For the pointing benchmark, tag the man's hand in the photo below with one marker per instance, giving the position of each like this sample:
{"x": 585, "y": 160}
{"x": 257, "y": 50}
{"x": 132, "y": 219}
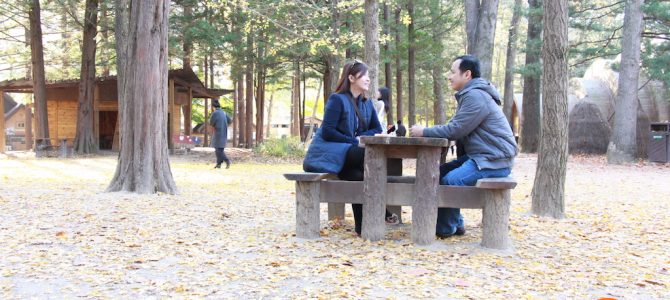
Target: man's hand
{"x": 416, "y": 131}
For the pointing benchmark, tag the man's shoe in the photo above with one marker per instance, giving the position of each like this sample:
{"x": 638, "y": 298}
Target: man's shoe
{"x": 218, "y": 166}
{"x": 228, "y": 165}
{"x": 459, "y": 231}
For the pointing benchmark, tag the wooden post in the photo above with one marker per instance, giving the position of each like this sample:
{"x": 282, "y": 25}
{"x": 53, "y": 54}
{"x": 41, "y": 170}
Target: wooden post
{"x": 2, "y": 122}
{"x": 187, "y": 113}
{"x": 171, "y": 113}
{"x": 335, "y": 211}
{"x": 374, "y": 190}
{"x": 424, "y": 210}
{"x": 96, "y": 113}
{"x": 307, "y": 209}
{"x": 495, "y": 220}
{"x": 204, "y": 126}
{"x": 395, "y": 169}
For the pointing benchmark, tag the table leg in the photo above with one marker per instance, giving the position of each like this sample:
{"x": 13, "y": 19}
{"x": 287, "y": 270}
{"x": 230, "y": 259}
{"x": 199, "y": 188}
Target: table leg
{"x": 373, "y": 226}
{"x": 424, "y": 210}
{"x": 394, "y": 166}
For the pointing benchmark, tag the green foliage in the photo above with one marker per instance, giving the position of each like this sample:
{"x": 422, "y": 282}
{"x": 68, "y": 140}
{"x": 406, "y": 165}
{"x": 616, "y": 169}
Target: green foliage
{"x": 283, "y": 148}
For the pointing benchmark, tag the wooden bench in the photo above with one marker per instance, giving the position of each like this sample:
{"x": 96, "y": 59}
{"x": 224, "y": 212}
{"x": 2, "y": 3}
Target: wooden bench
{"x": 492, "y": 195}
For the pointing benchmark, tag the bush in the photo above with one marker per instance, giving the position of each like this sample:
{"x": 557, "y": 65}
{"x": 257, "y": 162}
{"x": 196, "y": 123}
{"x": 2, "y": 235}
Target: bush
{"x": 283, "y": 147}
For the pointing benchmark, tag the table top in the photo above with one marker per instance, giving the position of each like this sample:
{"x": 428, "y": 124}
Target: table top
{"x": 404, "y": 141}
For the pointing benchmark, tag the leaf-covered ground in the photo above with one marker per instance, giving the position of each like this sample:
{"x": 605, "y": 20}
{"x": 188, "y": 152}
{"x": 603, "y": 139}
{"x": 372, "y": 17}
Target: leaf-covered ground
{"x": 229, "y": 234}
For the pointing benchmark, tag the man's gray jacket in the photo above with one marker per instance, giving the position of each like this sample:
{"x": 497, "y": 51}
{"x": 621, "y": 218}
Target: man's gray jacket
{"x": 481, "y": 126}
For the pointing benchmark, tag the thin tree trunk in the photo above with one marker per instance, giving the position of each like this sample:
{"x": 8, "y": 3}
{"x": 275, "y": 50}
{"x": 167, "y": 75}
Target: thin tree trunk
{"x": 530, "y": 128}
{"x": 549, "y": 187}
{"x": 242, "y": 113}
{"x": 398, "y": 66}
{"x": 388, "y": 76}
{"x": 65, "y": 36}
{"x": 29, "y": 67}
{"x": 372, "y": 45}
{"x": 438, "y": 70}
{"x": 485, "y": 37}
{"x": 471, "y": 21}
{"x": 622, "y": 146}
{"x": 187, "y": 43}
{"x": 267, "y": 126}
{"x": 260, "y": 124}
{"x": 39, "y": 81}
{"x": 104, "y": 14}
{"x": 302, "y": 103}
{"x": 295, "y": 101}
{"x": 331, "y": 75}
{"x": 509, "y": 63}
{"x": 235, "y": 113}
{"x": 411, "y": 65}
{"x": 85, "y": 140}
{"x": 144, "y": 165}
{"x": 249, "y": 136}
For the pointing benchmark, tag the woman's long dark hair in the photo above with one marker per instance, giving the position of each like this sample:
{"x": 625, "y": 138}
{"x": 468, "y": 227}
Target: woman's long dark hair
{"x": 385, "y": 97}
{"x": 356, "y": 68}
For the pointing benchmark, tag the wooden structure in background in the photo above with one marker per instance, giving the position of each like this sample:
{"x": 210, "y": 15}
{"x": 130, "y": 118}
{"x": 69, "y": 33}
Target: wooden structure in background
{"x": 184, "y": 85}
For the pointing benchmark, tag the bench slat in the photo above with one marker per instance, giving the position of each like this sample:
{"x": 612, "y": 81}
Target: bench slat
{"x": 496, "y": 183}
{"x": 306, "y": 176}
{"x": 401, "y": 194}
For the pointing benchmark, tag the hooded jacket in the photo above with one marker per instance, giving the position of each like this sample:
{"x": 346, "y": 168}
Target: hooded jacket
{"x": 481, "y": 126}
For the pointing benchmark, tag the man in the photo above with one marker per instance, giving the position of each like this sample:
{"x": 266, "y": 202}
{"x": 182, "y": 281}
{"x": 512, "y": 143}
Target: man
{"x": 481, "y": 127}
{"x": 220, "y": 121}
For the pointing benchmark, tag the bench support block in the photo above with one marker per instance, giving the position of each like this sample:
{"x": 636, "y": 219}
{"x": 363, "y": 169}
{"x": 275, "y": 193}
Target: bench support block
{"x": 335, "y": 211}
{"x": 374, "y": 189}
{"x": 495, "y": 220}
{"x": 307, "y": 209}
{"x": 424, "y": 210}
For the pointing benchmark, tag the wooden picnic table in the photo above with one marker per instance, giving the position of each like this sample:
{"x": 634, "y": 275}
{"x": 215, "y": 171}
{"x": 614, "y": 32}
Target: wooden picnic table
{"x": 378, "y": 149}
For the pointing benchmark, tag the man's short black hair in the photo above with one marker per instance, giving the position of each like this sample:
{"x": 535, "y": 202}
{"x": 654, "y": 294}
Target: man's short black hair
{"x": 469, "y": 63}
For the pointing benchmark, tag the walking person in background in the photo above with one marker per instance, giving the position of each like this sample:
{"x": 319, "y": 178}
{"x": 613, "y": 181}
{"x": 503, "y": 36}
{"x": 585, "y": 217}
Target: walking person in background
{"x": 220, "y": 121}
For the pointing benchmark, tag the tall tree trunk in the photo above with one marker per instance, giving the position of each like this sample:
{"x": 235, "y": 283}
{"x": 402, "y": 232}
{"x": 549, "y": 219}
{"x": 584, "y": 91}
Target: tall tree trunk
{"x": 332, "y": 73}
{"x": 302, "y": 103}
{"x": 622, "y": 146}
{"x": 295, "y": 101}
{"x": 549, "y": 187}
{"x": 485, "y": 37}
{"x": 144, "y": 165}
{"x": 398, "y": 66}
{"x": 471, "y": 21}
{"x": 39, "y": 81}
{"x": 104, "y": 15}
{"x": 260, "y": 114}
{"x": 388, "y": 76}
{"x": 530, "y": 128}
{"x": 242, "y": 113}
{"x": 509, "y": 63}
{"x": 249, "y": 136}
{"x": 28, "y": 38}
{"x": 187, "y": 42}
{"x": 372, "y": 45}
{"x": 267, "y": 125}
{"x": 438, "y": 69}
{"x": 411, "y": 65}
{"x": 85, "y": 140}
{"x": 65, "y": 36}
{"x": 236, "y": 104}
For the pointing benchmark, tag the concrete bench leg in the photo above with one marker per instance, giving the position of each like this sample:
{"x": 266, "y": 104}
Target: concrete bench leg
{"x": 335, "y": 211}
{"x": 495, "y": 220}
{"x": 307, "y": 209}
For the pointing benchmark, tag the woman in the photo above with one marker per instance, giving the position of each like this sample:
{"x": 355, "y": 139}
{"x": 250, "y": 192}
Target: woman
{"x": 382, "y": 104}
{"x": 348, "y": 116}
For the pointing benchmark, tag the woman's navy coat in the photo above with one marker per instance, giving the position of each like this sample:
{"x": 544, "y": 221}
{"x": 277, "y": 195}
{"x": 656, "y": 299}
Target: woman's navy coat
{"x": 338, "y": 132}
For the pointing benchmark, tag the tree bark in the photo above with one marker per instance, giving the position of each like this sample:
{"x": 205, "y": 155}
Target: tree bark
{"x": 267, "y": 126}
{"x": 39, "y": 81}
{"x": 260, "y": 99}
{"x": 236, "y": 103}
{"x": 622, "y": 146}
{"x": 249, "y": 136}
{"x": 411, "y": 65}
{"x": 549, "y": 187}
{"x": 471, "y": 20}
{"x": 485, "y": 37}
{"x": 295, "y": 101}
{"x": 530, "y": 128}
{"x": 187, "y": 43}
{"x": 398, "y": 66}
{"x": 509, "y": 63}
{"x": 332, "y": 73}
{"x": 242, "y": 113}
{"x": 388, "y": 76}
{"x": 372, "y": 45}
{"x": 438, "y": 71}
{"x": 104, "y": 14}
{"x": 85, "y": 140}
{"x": 144, "y": 165}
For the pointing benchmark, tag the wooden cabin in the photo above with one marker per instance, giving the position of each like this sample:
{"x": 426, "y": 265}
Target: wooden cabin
{"x": 62, "y": 101}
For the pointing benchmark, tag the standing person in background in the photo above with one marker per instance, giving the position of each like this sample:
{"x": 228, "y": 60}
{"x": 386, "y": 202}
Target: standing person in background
{"x": 220, "y": 121}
